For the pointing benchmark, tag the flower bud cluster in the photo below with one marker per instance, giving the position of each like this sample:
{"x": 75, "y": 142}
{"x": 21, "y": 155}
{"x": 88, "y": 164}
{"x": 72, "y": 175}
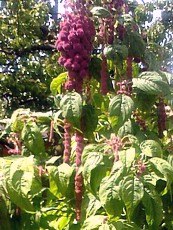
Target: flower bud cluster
{"x": 115, "y": 144}
{"x": 161, "y": 117}
{"x": 139, "y": 120}
{"x": 75, "y": 44}
{"x": 125, "y": 87}
{"x": 141, "y": 167}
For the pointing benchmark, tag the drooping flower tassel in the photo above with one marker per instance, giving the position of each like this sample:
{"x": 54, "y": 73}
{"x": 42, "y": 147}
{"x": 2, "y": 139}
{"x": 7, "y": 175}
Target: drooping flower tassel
{"x": 104, "y": 76}
{"x": 161, "y": 117}
{"x": 78, "y": 177}
{"x": 67, "y": 142}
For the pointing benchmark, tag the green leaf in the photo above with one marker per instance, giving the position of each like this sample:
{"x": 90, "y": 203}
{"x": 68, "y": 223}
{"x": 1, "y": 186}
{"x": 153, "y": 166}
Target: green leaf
{"x": 136, "y": 44}
{"x": 124, "y": 225}
{"x": 105, "y": 227}
{"x": 23, "y": 182}
{"x": 100, "y": 12}
{"x": 153, "y": 208}
{"x": 90, "y": 204}
{"x": 71, "y": 106}
{"x": 17, "y": 122}
{"x": 61, "y": 180}
{"x": 32, "y": 139}
{"x": 93, "y": 222}
{"x": 89, "y": 120}
{"x": 121, "y": 106}
{"x": 116, "y": 52}
{"x": 151, "y": 148}
{"x": 151, "y": 83}
{"x": 163, "y": 167}
{"x": 109, "y": 196}
{"x": 94, "y": 69}
{"x": 55, "y": 86}
{"x": 127, "y": 157}
{"x": 126, "y": 129}
{"x": 131, "y": 192}
{"x": 95, "y": 168}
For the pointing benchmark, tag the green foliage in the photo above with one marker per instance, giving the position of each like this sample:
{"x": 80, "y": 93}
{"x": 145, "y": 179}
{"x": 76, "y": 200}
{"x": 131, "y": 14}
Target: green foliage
{"x": 121, "y": 107}
{"x": 132, "y": 192}
{"x": 151, "y": 148}
{"x": 61, "y": 180}
{"x": 33, "y": 140}
{"x": 21, "y": 180}
{"x": 151, "y": 83}
{"x": 89, "y": 120}
{"x": 71, "y": 106}
{"x": 57, "y": 82}
{"x": 126, "y": 168}
{"x": 109, "y": 195}
{"x": 100, "y": 12}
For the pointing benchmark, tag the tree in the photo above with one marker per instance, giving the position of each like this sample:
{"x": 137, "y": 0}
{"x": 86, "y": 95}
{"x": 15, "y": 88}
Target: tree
{"x": 113, "y": 120}
{"x": 27, "y": 54}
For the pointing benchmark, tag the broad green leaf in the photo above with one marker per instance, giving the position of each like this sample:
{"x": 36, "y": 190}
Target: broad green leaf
{"x": 93, "y": 222}
{"x": 163, "y": 167}
{"x": 23, "y": 182}
{"x": 151, "y": 148}
{"x": 100, "y": 12}
{"x": 61, "y": 179}
{"x": 90, "y": 204}
{"x": 92, "y": 148}
{"x": 121, "y": 106}
{"x": 17, "y": 121}
{"x": 61, "y": 223}
{"x": 151, "y": 83}
{"x": 125, "y": 129}
{"x": 127, "y": 157}
{"x": 32, "y": 139}
{"x": 135, "y": 42}
{"x": 105, "y": 226}
{"x": 43, "y": 118}
{"x": 109, "y": 195}
{"x": 56, "y": 217}
{"x": 116, "y": 52}
{"x": 94, "y": 70}
{"x": 56, "y": 84}
{"x": 153, "y": 208}
{"x": 89, "y": 120}
{"x": 71, "y": 106}
{"x": 95, "y": 168}
{"x": 131, "y": 193}
{"x": 124, "y": 225}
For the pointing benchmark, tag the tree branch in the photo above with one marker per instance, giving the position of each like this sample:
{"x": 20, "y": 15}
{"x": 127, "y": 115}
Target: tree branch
{"x": 34, "y": 48}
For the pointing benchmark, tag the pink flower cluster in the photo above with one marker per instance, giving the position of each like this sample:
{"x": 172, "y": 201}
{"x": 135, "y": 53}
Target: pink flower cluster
{"x": 75, "y": 44}
{"x": 106, "y": 30}
{"x": 125, "y": 87}
{"x": 115, "y": 144}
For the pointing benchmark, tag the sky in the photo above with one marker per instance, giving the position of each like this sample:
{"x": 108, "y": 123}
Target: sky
{"x": 157, "y": 13}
